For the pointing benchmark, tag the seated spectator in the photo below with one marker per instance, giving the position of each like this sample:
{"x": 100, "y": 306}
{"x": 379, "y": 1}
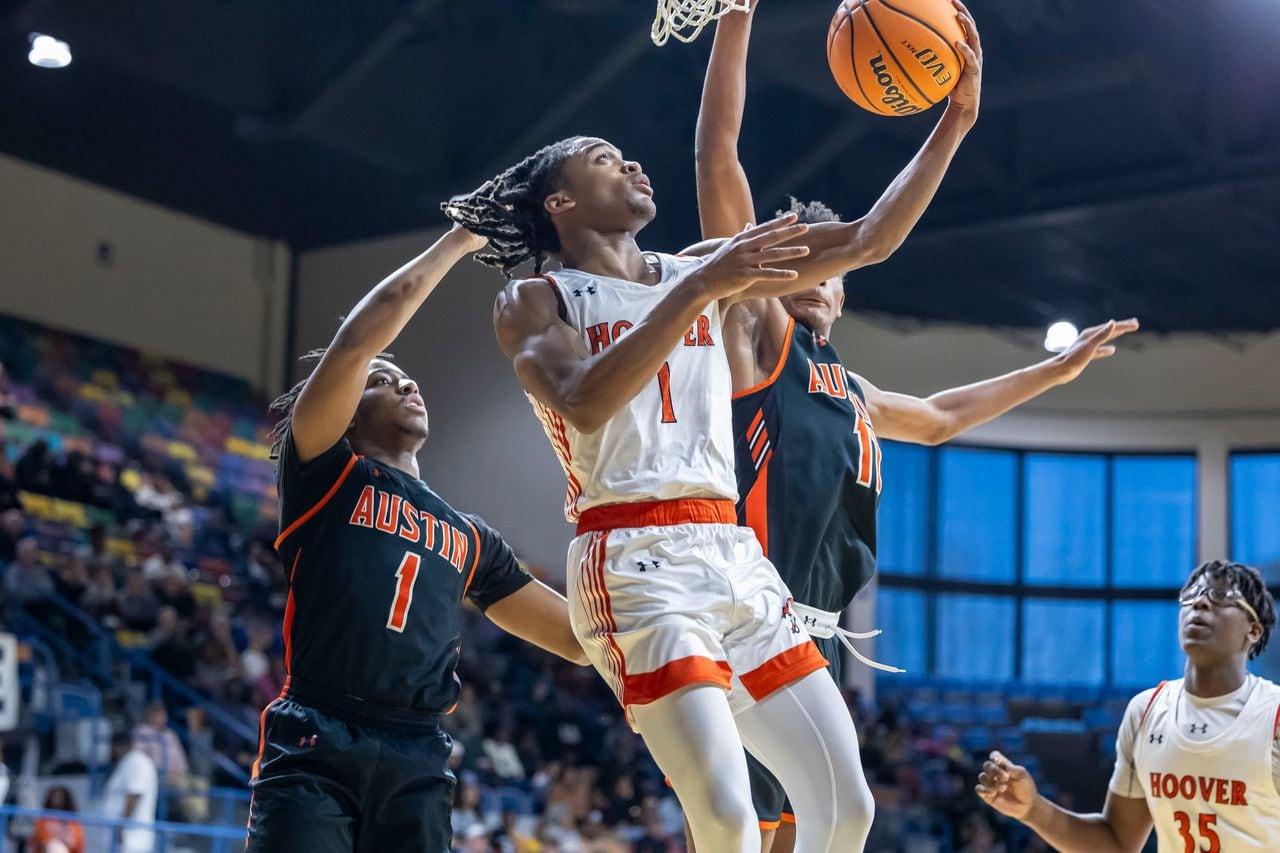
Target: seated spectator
{"x": 71, "y": 579}
{"x": 8, "y": 485}
{"x": 155, "y": 737}
{"x": 26, "y": 581}
{"x": 72, "y": 478}
{"x": 174, "y": 591}
{"x": 136, "y": 604}
{"x": 172, "y": 645}
{"x": 54, "y": 835}
{"x": 163, "y": 564}
{"x": 8, "y": 405}
{"x": 99, "y": 599}
{"x": 34, "y": 469}
{"x": 12, "y": 528}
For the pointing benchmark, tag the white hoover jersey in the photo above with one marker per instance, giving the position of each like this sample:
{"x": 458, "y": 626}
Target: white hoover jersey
{"x": 675, "y": 438}
{"x": 1208, "y": 781}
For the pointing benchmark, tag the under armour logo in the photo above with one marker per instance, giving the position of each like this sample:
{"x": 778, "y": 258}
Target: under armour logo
{"x": 819, "y": 340}
{"x": 590, "y": 290}
{"x": 1155, "y": 738}
{"x": 308, "y": 741}
{"x": 645, "y": 565}
{"x": 1203, "y": 727}
{"x": 810, "y": 621}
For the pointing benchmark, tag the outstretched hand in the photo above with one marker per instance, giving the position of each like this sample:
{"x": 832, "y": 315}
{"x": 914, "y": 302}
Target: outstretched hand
{"x": 968, "y": 88}
{"x": 1006, "y": 787}
{"x": 1091, "y": 344}
{"x": 753, "y": 255}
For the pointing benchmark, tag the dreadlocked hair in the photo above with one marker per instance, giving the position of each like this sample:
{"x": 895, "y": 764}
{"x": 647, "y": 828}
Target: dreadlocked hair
{"x": 1251, "y": 585}
{"x": 508, "y": 210}
{"x": 810, "y": 213}
{"x": 285, "y": 402}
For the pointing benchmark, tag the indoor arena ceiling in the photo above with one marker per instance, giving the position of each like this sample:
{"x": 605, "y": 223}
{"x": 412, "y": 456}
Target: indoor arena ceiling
{"x": 1127, "y": 160}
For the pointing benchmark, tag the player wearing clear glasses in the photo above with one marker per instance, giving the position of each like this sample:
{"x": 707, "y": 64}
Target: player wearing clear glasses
{"x": 1197, "y": 757}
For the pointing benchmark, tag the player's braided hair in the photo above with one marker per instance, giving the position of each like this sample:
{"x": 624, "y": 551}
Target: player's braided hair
{"x": 810, "y": 213}
{"x": 508, "y": 209}
{"x": 285, "y": 402}
{"x": 1250, "y": 583}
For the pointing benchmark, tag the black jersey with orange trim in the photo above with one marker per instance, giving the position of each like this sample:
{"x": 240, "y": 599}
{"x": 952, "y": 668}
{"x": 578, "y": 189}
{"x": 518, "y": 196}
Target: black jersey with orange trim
{"x": 378, "y": 567}
{"x": 808, "y": 466}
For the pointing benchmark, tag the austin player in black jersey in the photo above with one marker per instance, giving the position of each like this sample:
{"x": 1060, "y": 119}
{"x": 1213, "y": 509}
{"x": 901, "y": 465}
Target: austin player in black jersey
{"x": 352, "y": 757}
{"x": 808, "y": 459}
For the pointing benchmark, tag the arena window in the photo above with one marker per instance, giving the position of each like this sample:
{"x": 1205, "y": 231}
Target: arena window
{"x": 1040, "y": 567}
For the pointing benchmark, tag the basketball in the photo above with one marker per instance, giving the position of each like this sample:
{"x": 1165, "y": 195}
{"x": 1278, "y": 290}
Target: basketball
{"x": 895, "y": 57}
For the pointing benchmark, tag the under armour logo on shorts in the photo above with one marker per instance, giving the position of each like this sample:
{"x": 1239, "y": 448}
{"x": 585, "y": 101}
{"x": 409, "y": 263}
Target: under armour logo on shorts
{"x": 1155, "y": 738}
{"x": 1204, "y": 727}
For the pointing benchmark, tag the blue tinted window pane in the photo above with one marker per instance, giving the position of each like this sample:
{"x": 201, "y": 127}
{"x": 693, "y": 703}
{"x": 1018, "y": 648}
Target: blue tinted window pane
{"x": 904, "y": 509}
{"x": 1063, "y": 642}
{"x": 900, "y": 614}
{"x": 1144, "y": 643}
{"x": 975, "y": 637}
{"x": 1153, "y": 520}
{"x": 1255, "y": 512}
{"x": 1065, "y": 510}
{"x": 977, "y": 514}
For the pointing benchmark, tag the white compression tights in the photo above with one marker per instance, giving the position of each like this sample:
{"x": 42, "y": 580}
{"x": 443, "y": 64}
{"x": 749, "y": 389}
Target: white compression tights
{"x": 802, "y": 733}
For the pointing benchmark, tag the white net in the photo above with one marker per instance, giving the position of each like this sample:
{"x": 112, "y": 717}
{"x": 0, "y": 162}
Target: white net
{"x": 685, "y": 19}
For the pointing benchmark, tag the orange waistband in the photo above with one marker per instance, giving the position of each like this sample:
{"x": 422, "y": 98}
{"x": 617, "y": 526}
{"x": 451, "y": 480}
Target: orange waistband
{"x": 657, "y": 514}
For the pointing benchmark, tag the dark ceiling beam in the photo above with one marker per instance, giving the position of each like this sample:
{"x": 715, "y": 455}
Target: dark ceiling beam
{"x": 307, "y": 120}
{"x": 594, "y": 82}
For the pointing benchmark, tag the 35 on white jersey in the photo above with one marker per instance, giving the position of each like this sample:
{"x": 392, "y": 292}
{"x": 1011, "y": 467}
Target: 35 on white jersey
{"x": 1214, "y": 793}
{"x": 675, "y": 438}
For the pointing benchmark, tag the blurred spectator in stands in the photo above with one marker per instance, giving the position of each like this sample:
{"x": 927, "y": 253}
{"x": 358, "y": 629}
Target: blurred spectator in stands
{"x": 466, "y": 805}
{"x": 172, "y": 645}
{"x": 258, "y": 667}
{"x": 155, "y": 494}
{"x": 217, "y": 672}
{"x": 71, "y": 579}
{"x": 26, "y": 581}
{"x": 175, "y": 591}
{"x": 161, "y": 743}
{"x": 136, "y": 604}
{"x": 508, "y": 837}
{"x": 98, "y": 553}
{"x": 54, "y": 835}
{"x": 99, "y": 599}
{"x": 13, "y": 525}
{"x": 215, "y": 538}
{"x": 8, "y": 405}
{"x": 502, "y": 755}
{"x": 34, "y": 469}
{"x": 8, "y": 485}
{"x": 72, "y": 477}
{"x": 131, "y": 794}
{"x": 163, "y": 564}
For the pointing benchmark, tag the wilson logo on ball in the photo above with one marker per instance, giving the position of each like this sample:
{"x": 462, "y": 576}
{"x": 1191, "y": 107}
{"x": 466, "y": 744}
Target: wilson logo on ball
{"x": 893, "y": 97}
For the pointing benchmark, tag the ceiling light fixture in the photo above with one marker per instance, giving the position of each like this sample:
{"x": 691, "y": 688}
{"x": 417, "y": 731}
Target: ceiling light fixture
{"x": 1060, "y": 336}
{"x": 48, "y": 52}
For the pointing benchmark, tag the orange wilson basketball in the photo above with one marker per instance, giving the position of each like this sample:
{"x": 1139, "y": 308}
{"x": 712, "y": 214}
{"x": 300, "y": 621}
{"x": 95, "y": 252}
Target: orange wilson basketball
{"x": 895, "y": 57}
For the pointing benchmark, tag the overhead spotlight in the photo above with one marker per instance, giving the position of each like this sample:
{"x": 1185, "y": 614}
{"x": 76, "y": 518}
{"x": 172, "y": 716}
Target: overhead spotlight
{"x": 1060, "y": 336}
{"x": 48, "y": 52}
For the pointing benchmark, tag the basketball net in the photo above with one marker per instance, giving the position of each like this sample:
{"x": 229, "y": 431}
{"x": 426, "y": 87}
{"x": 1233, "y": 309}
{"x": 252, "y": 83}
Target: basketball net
{"x": 685, "y": 19}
